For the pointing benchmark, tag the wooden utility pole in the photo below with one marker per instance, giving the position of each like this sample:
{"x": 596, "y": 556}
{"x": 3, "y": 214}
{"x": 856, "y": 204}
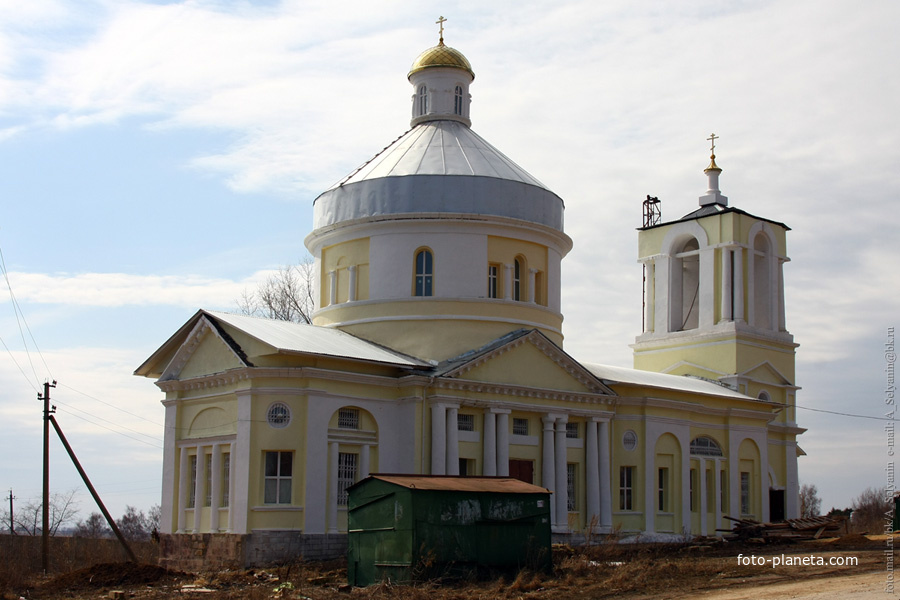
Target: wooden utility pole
{"x": 45, "y": 523}
{"x": 12, "y": 520}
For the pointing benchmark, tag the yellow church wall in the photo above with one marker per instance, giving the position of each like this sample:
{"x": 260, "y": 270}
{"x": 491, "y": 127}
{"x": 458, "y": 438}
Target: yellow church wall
{"x": 338, "y": 258}
{"x": 439, "y": 339}
{"x": 628, "y": 520}
{"x": 210, "y": 356}
{"x": 503, "y": 250}
{"x": 526, "y": 365}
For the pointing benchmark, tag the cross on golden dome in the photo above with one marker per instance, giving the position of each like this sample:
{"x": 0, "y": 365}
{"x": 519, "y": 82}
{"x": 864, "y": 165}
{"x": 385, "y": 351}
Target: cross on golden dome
{"x": 440, "y": 22}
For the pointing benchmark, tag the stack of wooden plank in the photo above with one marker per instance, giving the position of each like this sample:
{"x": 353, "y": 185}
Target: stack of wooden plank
{"x": 809, "y": 528}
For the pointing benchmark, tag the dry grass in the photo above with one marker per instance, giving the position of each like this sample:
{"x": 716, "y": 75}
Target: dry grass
{"x": 602, "y": 571}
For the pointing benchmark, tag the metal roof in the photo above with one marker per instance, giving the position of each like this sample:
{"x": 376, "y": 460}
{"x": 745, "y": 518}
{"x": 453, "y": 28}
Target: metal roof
{"x": 452, "y": 483}
{"x": 612, "y": 375}
{"x": 440, "y": 148}
{"x": 289, "y": 337}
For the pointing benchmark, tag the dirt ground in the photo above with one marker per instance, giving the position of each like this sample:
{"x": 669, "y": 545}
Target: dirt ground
{"x": 632, "y": 571}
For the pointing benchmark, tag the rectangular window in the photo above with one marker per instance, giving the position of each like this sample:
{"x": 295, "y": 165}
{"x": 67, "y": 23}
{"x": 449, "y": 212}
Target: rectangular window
{"x": 745, "y": 493}
{"x": 520, "y": 426}
{"x": 626, "y": 488}
{"x": 570, "y": 487}
{"x": 226, "y": 479}
{"x": 466, "y": 467}
{"x": 347, "y": 472}
{"x": 348, "y": 418}
{"x": 493, "y": 280}
{"x": 572, "y": 430}
{"x": 663, "y": 490}
{"x": 465, "y": 422}
{"x": 278, "y": 474}
{"x": 723, "y": 489}
{"x": 192, "y": 497}
{"x": 693, "y": 487}
{"x": 207, "y": 497}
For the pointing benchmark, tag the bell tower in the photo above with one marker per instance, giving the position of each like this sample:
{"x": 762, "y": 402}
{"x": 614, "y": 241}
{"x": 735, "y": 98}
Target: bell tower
{"x": 714, "y": 308}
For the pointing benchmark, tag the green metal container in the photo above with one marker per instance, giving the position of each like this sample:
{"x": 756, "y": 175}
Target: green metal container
{"x": 406, "y": 528}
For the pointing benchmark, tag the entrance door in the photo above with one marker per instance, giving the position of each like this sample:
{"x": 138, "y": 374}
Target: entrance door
{"x": 523, "y": 470}
{"x": 776, "y": 505}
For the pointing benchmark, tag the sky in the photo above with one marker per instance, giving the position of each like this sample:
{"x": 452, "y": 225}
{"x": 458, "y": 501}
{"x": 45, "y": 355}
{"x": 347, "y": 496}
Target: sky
{"x": 161, "y": 157}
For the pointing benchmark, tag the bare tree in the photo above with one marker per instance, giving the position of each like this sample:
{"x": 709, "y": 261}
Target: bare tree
{"x": 135, "y": 525}
{"x": 63, "y": 510}
{"x": 810, "y": 503}
{"x": 93, "y": 527}
{"x": 287, "y": 294}
{"x": 869, "y": 510}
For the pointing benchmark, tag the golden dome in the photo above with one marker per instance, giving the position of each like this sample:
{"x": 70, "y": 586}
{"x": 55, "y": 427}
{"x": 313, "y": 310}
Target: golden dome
{"x": 441, "y": 56}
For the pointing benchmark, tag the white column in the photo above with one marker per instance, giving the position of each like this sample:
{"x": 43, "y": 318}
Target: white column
{"x": 717, "y": 482}
{"x": 503, "y": 443}
{"x": 351, "y": 292}
{"x": 738, "y": 284}
{"x": 438, "y": 439}
{"x": 332, "y": 486}
{"x": 592, "y": 473}
{"x": 452, "y": 441}
{"x": 706, "y": 294}
{"x": 562, "y": 488}
{"x": 792, "y": 483}
{"x": 489, "y": 466}
{"x": 507, "y": 281}
{"x": 199, "y": 485}
{"x": 727, "y": 284}
{"x": 649, "y": 295}
{"x": 240, "y": 467}
{"x": 548, "y": 462}
{"x": 216, "y": 492}
{"x": 782, "y": 323}
{"x": 605, "y": 477}
{"x": 332, "y": 288}
{"x": 661, "y": 294}
{"x": 774, "y": 288}
{"x": 184, "y": 482}
{"x": 231, "y": 488}
{"x": 170, "y": 517}
{"x": 701, "y": 475}
{"x": 364, "y": 461}
{"x": 676, "y": 289}
{"x": 531, "y": 274}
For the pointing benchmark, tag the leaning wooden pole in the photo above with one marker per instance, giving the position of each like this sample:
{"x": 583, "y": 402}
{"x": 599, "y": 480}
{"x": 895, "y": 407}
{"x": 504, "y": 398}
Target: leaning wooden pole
{"x": 87, "y": 482}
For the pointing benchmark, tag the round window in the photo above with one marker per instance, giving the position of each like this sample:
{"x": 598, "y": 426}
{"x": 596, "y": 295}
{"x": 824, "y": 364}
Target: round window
{"x": 278, "y": 415}
{"x": 629, "y": 440}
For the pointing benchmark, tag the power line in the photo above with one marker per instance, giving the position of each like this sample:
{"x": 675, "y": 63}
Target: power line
{"x": 118, "y": 432}
{"x": 20, "y": 318}
{"x": 111, "y": 405}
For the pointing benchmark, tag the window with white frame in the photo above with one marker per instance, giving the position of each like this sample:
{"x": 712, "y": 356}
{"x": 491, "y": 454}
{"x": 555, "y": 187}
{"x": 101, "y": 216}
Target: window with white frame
{"x": 424, "y": 282}
{"x": 745, "y": 493}
{"x": 348, "y": 468}
{"x": 278, "y": 477}
{"x": 626, "y": 488}
{"x": 422, "y": 100}
{"x": 520, "y": 426}
{"x": 458, "y": 101}
{"x": 207, "y": 496}
{"x": 192, "y": 494}
{"x": 493, "y": 280}
{"x": 517, "y": 279}
{"x": 572, "y": 430}
{"x": 278, "y": 415}
{"x": 705, "y": 446}
{"x": 226, "y": 479}
{"x": 629, "y": 440}
{"x": 348, "y": 418}
{"x": 663, "y": 489}
{"x": 571, "y": 474}
{"x": 465, "y": 422}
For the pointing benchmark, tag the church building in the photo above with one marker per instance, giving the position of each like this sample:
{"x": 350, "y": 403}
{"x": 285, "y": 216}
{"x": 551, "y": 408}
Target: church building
{"x": 437, "y": 348}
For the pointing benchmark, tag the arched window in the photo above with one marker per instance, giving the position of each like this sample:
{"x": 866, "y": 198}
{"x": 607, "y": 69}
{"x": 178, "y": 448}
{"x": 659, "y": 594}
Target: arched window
{"x": 424, "y": 273}
{"x": 705, "y": 446}
{"x": 685, "y": 287}
{"x": 458, "y": 101}
{"x": 422, "y": 100}
{"x": 762, "y": 289}
{"x": 518, "y": 269}
{"x": 764, "y": 396}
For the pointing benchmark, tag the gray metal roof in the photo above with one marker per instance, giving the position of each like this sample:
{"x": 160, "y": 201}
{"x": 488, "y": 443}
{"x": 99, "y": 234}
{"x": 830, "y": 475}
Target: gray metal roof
{"x": 612, "y": 375}
{"x": 503, "y": 485}
{"x": 440, "y": 148}
{"x": 289, "y": 337}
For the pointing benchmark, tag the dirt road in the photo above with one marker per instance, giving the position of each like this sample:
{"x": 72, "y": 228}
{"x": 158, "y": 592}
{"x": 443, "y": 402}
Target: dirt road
{"x": 852, "y": 587}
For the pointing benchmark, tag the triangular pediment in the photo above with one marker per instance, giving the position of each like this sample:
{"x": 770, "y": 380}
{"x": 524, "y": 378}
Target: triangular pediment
{"x": 529, "y": 360}
{"x": 765, "y": 372}
{"x": 204, "y": 351}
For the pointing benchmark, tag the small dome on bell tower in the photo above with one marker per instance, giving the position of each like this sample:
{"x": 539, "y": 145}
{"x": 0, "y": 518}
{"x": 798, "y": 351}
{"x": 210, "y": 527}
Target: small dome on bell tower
{"x": 440, "y": 77}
